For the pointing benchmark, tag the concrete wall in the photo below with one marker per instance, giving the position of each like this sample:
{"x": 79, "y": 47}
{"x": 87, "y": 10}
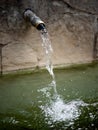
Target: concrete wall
{"x": 72, "y": 25}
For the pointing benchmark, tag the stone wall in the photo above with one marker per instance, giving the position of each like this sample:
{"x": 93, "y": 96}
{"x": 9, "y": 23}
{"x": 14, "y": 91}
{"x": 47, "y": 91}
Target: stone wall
{"x": 72, "y": 25}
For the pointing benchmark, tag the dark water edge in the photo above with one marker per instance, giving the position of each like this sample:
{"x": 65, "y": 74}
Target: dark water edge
{"x": 20, "y": 100}
{"x": 19, "y": 122}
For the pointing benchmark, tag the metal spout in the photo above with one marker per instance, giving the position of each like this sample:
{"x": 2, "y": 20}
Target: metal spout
{"x": 35, "y": 20}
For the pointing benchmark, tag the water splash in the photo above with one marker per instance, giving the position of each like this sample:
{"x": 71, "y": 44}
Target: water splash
{"x": 56, "y": 110}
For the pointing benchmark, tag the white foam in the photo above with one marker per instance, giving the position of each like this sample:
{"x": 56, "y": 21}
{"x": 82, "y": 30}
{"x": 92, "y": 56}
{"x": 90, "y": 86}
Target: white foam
{"x": 59, "y": 111}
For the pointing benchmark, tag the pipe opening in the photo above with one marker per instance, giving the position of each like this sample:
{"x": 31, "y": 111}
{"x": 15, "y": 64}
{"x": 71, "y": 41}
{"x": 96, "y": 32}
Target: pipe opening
{"x": 30, "y": 16}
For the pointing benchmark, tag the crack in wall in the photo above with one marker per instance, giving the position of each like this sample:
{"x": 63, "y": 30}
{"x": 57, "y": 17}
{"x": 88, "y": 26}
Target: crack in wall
{"x": 95, "y": 48}
{"x": 1, "y": 70}
{"x": 77, "y": 9}
{"x": 1, "y": 57}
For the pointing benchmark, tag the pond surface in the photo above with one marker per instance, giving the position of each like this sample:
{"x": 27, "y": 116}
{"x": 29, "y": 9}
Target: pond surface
{"x": 28, "y": 102}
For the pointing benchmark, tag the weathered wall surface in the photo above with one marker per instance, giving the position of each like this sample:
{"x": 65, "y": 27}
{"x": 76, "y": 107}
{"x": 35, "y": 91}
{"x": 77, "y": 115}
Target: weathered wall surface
{"x": 72, "y": 25}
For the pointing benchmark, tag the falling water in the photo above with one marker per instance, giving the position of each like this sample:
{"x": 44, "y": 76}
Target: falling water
{"x": 56, "y": 109}
{"x": 48, "y": 55}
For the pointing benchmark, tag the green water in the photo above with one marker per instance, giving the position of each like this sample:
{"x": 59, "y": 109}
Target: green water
{"x": 27, "y": 102}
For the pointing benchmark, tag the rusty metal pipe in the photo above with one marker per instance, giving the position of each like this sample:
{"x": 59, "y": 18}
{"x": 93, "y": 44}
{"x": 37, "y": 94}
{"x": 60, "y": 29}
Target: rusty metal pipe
{"x": 33, "y": 19}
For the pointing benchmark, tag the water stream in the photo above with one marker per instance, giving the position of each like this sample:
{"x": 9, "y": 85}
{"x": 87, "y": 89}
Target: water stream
{"x": 56, "y": 110}
{"x": 48, "y": 55}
